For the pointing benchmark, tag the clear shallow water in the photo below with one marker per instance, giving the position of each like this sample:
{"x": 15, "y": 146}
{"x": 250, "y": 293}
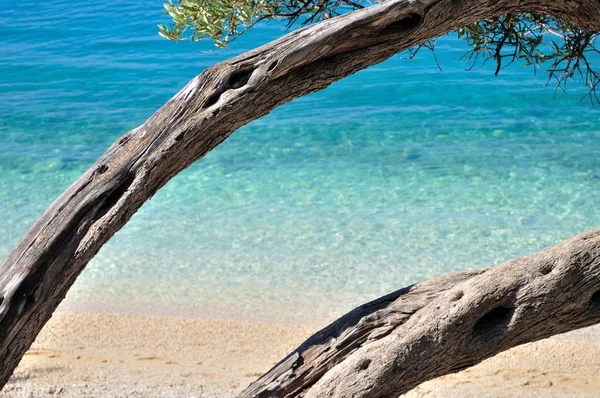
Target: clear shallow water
{"x": 395, "y": 174}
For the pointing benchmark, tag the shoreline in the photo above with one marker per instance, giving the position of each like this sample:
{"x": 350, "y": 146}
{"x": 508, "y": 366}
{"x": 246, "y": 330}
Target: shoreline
{"x": 115, "y": 355}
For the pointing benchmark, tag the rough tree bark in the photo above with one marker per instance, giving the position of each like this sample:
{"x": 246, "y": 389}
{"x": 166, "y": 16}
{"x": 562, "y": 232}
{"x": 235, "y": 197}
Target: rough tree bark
{"x": 36, "y": 275}
{"x": 443, "y": 325}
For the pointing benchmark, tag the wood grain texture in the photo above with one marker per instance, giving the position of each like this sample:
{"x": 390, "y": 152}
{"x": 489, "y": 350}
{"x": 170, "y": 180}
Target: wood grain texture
{"x": 443, "y": 325}
{"x": 37, "y": 274}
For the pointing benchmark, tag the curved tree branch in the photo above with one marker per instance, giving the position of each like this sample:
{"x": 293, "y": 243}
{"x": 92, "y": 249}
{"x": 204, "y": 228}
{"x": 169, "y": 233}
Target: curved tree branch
{"x": 389, "y": 346}
{"x": 37, "y": 274}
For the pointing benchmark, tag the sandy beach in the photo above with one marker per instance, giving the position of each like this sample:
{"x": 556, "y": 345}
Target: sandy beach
{"x": 103, "y": 355}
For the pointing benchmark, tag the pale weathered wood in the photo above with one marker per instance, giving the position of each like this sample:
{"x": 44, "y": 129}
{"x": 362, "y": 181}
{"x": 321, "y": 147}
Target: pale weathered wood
{"x": 36, "y": 275}
{"x": 389, "y": 346}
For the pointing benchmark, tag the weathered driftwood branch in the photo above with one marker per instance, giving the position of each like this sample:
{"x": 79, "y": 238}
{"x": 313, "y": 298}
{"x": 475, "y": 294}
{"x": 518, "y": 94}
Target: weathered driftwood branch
{"x": 36, "y": 275}
{"x": 389, "y": 346}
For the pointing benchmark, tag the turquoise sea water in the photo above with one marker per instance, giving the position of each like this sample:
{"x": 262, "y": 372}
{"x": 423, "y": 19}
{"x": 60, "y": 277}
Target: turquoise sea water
{"x": 396, "y": 174}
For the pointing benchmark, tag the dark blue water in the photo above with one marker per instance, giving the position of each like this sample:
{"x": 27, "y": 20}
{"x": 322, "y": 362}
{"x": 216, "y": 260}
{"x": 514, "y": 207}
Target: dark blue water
{"x": 396, "y": 174}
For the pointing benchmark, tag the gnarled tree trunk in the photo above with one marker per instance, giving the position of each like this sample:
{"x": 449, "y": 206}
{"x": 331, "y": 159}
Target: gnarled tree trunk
{"x": 389, "y": 346}
{"x": 36, "y": 275}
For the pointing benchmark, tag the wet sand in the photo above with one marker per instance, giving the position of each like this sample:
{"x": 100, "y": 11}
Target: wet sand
{"x": 103, "y": 355}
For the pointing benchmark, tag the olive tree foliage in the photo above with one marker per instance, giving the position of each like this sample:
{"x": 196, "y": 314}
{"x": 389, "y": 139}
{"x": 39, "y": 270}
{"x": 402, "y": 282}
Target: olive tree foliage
{"x": 474, "y": 318}
{"x": 561, "y": 50}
